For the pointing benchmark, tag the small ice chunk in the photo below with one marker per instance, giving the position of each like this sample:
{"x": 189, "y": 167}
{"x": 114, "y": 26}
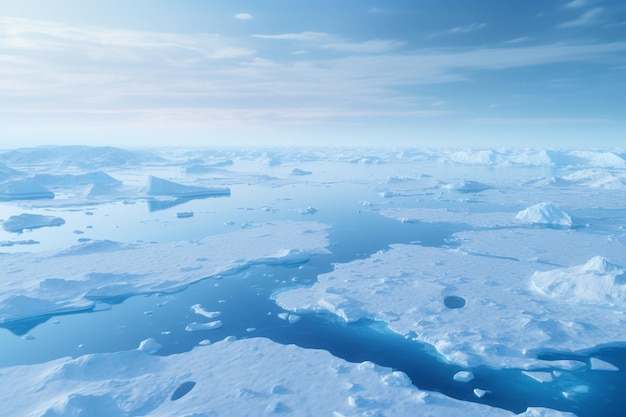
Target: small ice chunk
{"x": 544, "y": 213}
{"x": 17, "y": 224}
{"x": 539, "y": 376}
{"x": 212, "y": 325}
{"x": 184, "y": 214}
{"x": 197, "y": 308}
{"x": 600, "y": 365}
{"x": 293, "y": 318}
{"x": 250, "y": 329}
{"x": 463, "y": 376}
{"x": 204, "y": 342}
{"x": 283, "y": 316}
{"x": 308, "y": 210}
{"x": 480, "y": 393}
{"x": 298, "y": 171}
{"x": 149, "y": 346}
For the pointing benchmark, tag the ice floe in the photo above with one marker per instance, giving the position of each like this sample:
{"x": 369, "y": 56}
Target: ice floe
{"x": 545, "y": 213}
{"x": 19, "y": 223}
{"x": 71, "y": 279}
{"x": 502, "y": 322}
{"x": 300, "y": 172}
{"x": 242, "y": 377}
{"x": 600, "y": 365}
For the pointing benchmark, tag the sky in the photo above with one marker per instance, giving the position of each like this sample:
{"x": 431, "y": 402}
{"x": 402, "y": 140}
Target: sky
{"x": 406, "y": 73}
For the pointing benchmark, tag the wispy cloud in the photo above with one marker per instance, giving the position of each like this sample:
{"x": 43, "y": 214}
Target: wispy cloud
{"x": 326, "y": 41}
{"x": 243, "y": 16}
{"x": 459, "y": 30}
{"x": 590, "y": 17}
{"x": 138, "y": 77}
{"x": 576, "y": 4}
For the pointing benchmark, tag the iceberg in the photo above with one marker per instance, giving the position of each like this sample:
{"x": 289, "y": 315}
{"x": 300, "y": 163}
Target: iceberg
{"x": 17, "y": 224}
{"x": 467, "y": 186}
{"x": 160, "y": 187}
{"x": 97, "y": 177}
{"x": 24, "y": 189}
{"x": 202, "y": 383}
{"x": 300, "y": 172}
{"x": 545, "y": 213}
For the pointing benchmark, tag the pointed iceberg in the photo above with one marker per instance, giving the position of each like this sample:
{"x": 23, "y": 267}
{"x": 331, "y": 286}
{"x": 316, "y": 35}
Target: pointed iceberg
{"x": 545, "y": 213}
{"x": 160, "y": 187}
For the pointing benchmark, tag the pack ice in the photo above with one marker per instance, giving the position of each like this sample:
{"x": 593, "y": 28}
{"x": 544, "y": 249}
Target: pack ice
{"x": 252, "y": 381}
{"x": 72, "y": 279}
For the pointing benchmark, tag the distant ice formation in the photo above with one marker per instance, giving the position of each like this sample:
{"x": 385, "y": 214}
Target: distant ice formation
{"x": 24, "y": 189}
{"x": 545, "y": 213}
{"x": 298, "y": 171}
{"x": 467, "y": 186}
{"x": 160, "y": 187}
{"x": 17, "y": 224}
{"x": 202, "y": 383}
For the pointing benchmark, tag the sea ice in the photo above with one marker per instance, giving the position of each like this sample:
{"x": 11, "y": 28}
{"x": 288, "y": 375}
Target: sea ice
{"x": 463, "y": 376}
{"x": 24, "y": 189}
{"x": 197, "y": 308}
{"x": 596, "y": 282}
{"x": 202, "y": 383}
{"x": 503, "y": 322}
{"x": 73, "y": 278}
{"x": 17, "y": 224}
{"x": 467, "y": 186}
{"x": 539, "y": 376}
{"x": 212, "y": 325}
{"x": 160, "y": 187}
{"x": 184, "y": 214}
{"x": 600, "y": 365}
{"x": 545, "y": 213}
{"x": 298, "y": 171}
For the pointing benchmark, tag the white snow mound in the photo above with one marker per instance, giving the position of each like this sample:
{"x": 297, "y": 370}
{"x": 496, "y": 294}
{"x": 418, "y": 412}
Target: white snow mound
{"x": 544, "y": 213}
{"x": 596, "y": 282}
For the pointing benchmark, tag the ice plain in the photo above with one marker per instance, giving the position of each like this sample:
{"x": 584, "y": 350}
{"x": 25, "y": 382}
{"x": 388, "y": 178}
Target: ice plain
{"x": 528, "y": 257}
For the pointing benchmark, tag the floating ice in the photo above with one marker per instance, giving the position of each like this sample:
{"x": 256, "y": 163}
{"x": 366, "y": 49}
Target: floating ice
{"x": 545, "y": 213}
{"x": 308, "y": 210}
{"x": 184, "y": 214}
{"x": 17, "y": 224}
{"x": 197, "y": 308}
{"x": 502, "y": 323}
{"x": 596, "y": 282}
{"x": 24, "y": 189}
{"x": 8, "y": 173}
{"x": 72, "y": 278}
{"x": 298, "y": 171}
{"x": 160, "y": 187}
{"x": 212, "y": 325}
{"x": 463, "y": 376}
{"x": 149, "y": 346}
{"x": 467, "y": 186}
{"x": 600, "y": 365}
{"x": 539, "y": 376}
{"x": 186, "y": 384}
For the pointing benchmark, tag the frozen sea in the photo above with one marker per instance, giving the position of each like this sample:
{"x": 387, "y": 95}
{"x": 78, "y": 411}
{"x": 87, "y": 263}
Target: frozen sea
{"x": 201, "y": 282}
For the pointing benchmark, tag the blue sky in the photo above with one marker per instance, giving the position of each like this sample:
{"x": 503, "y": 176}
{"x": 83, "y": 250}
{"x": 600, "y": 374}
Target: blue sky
{"x": 505, "y": 73}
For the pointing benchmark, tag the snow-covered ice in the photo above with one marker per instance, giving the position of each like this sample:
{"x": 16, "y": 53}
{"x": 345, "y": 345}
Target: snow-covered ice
{"x": 545, "y": 213}
{"x": 24, "y": 189}
{"x": 71, "y": 279}
{"x": 17, "y": 224}
{"x": 235, "y": 378}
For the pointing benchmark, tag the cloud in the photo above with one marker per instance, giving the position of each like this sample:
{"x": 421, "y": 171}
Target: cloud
{"x": 122, "y": 77}
{"x": 243, "y": 16}
{"x": 301, "y": 37}
{"x": 459, "y": 30}
{"x": 576, "y": 4}
{"x": 590, "y": 17}
{"x": 330, "y": 42}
